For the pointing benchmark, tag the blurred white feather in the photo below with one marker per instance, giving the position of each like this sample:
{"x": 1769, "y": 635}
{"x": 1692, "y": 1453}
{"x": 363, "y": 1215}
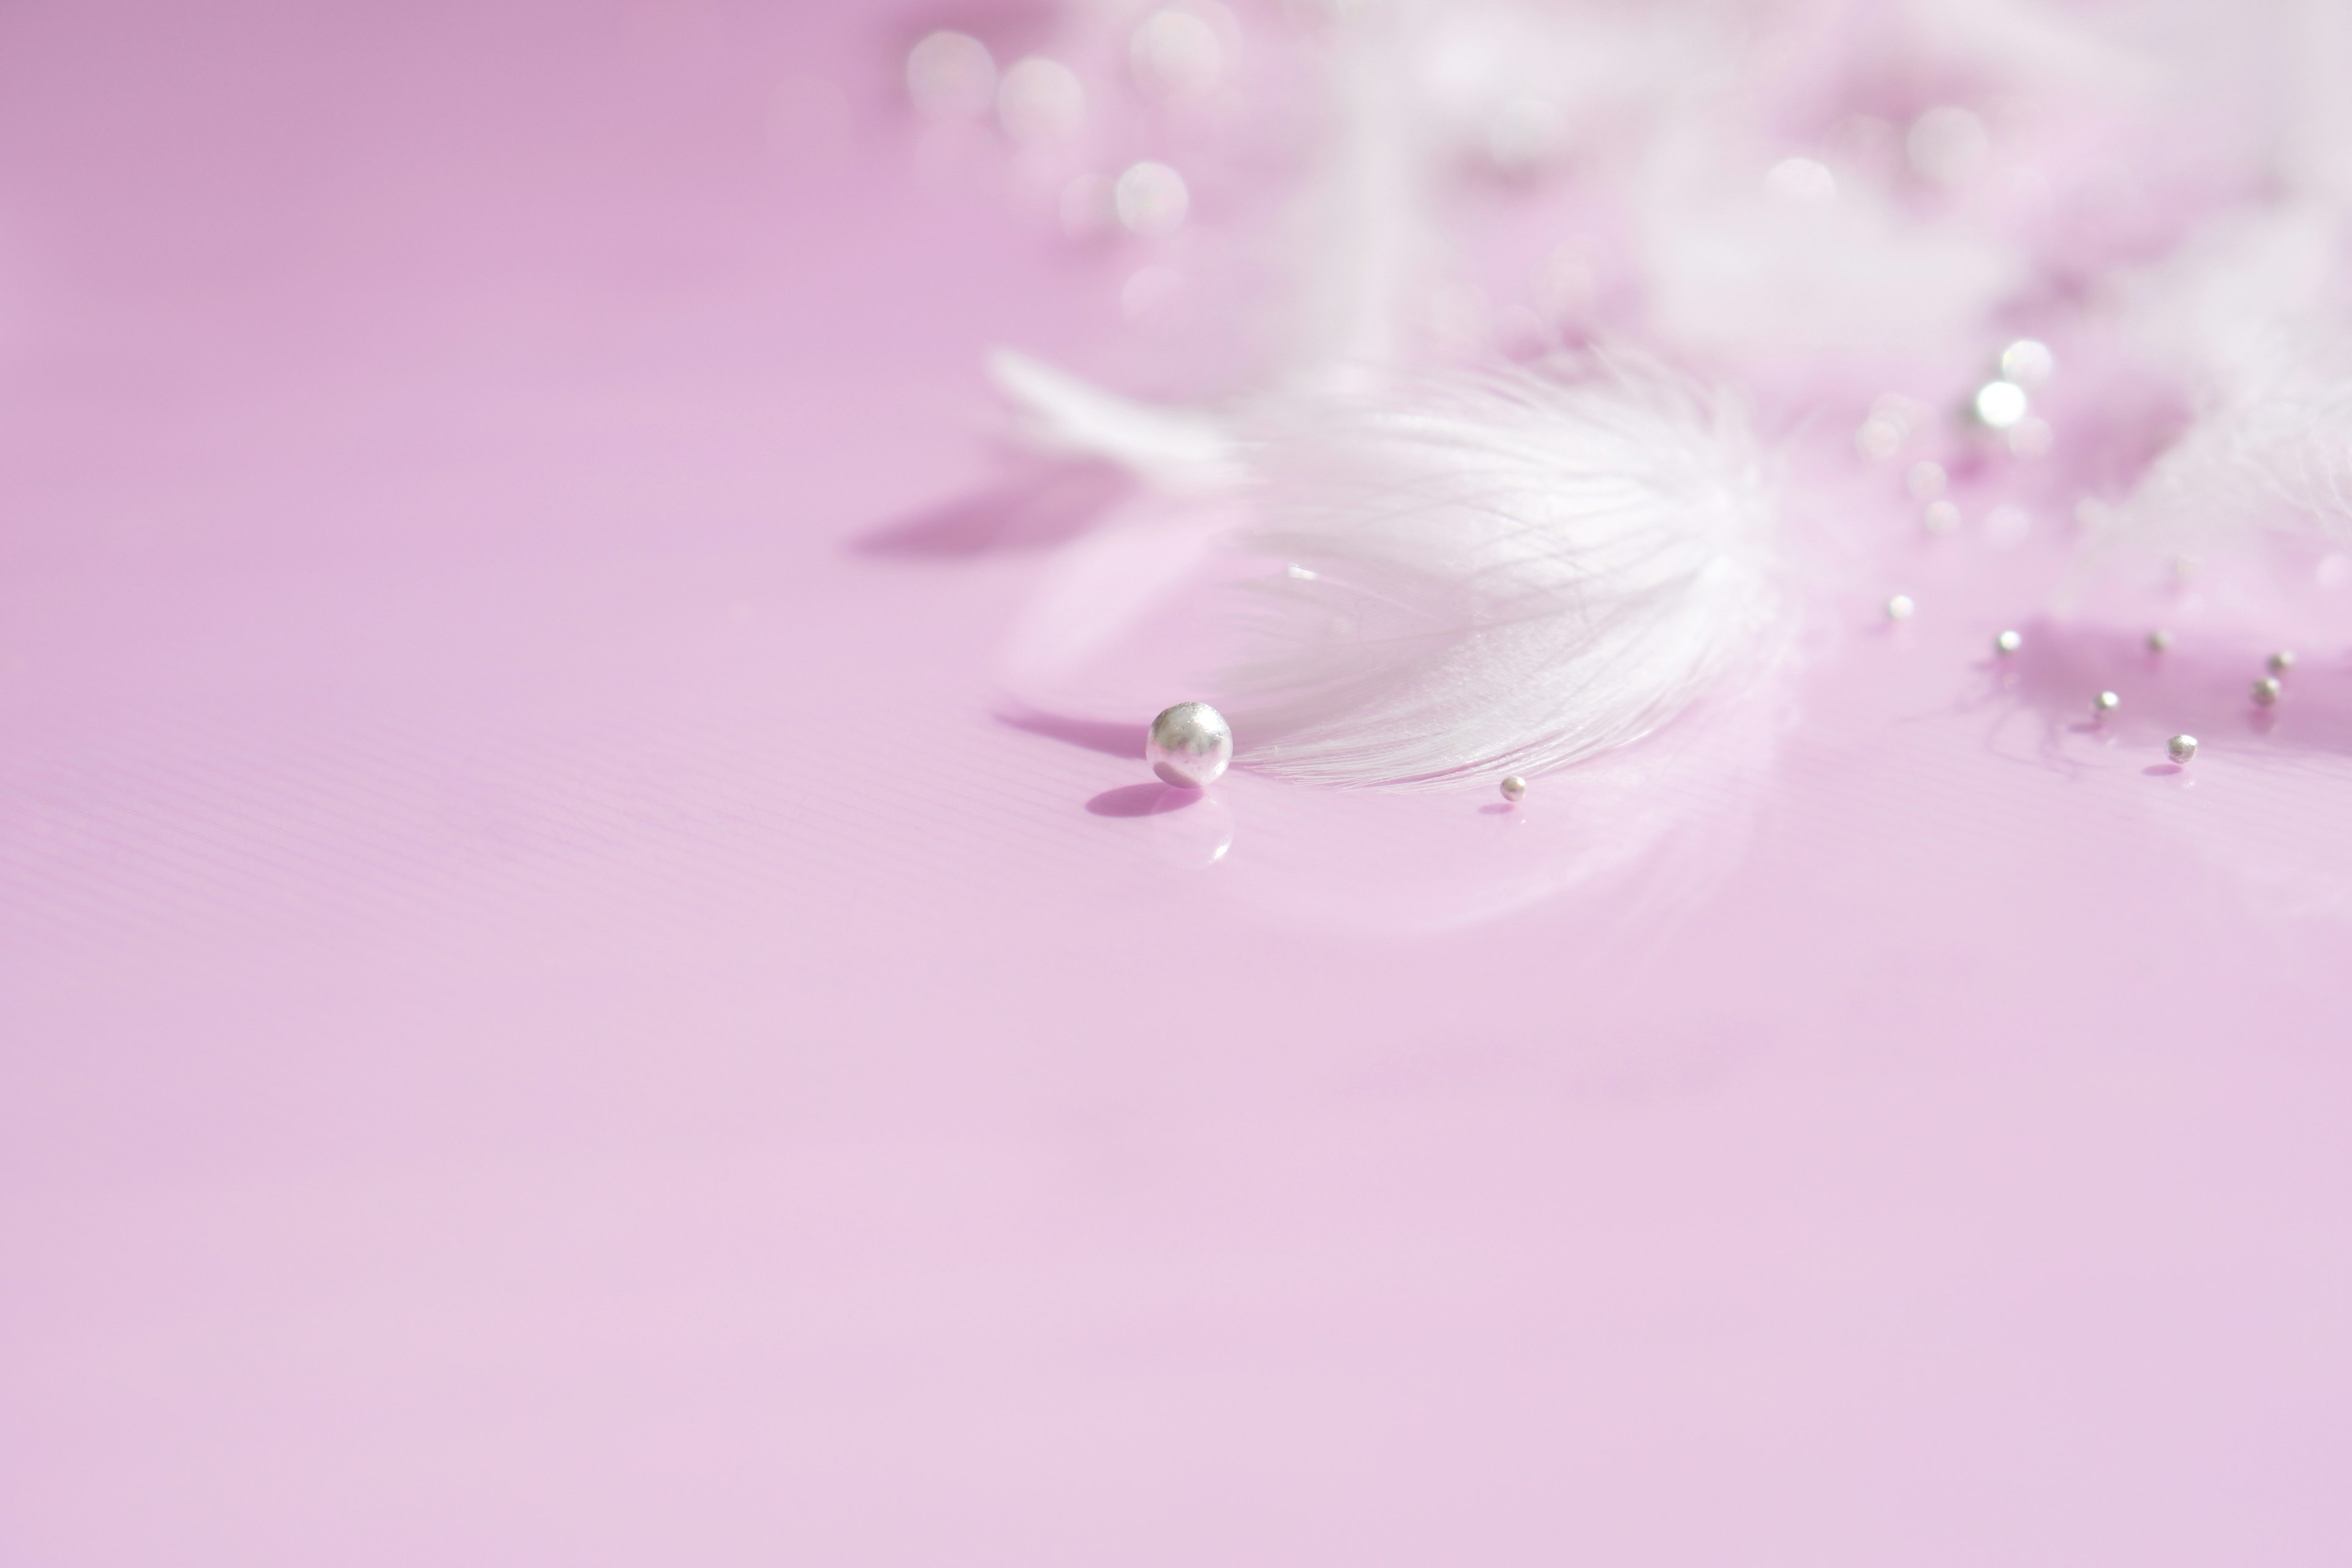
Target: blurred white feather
{"x": 2274, "y": 452}
{"x": 1509, "y": 570}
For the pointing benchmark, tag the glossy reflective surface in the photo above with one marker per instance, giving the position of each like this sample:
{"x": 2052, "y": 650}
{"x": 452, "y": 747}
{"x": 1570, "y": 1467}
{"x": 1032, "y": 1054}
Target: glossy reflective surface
{"x": 557, "y": 1008}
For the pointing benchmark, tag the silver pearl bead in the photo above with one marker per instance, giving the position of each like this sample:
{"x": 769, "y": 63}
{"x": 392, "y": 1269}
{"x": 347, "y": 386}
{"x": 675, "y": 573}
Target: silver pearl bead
{"x": 1515, "y": 788}
{"x": 1899, "y": 607}
{"x": 2104, "y": 703}
{"x": 1189, "y": 746}
{"x": 2181, "y": 748}
{"x": 2007, "y": 643}
{"x": 2158, "y": 640}
{"x": 2281, "y": 662}
{"x": 2266, "y": 691}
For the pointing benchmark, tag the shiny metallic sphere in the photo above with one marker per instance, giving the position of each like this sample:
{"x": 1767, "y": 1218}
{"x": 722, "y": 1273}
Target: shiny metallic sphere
{"x": 2181, "y": 748}
{"x": 2158, "y": 640}
{"x": 2266, "y": 691}
{"x": 2007, "y": 643}
{"x": 2281, "y": 662}
{"x": 1189, "y": 746}
{"x": 2104, "y": 703}
{"x": 1515, "y": 788}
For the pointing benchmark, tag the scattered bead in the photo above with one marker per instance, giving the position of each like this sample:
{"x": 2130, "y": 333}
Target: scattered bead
{"x": 1515, "y": 788}
{"x": 2104, "y": 703}
{"x": 2281, "y": 662}
{"x": 2007, "y": 643}
{"x": 2266, "y": 691}
{"x": 1189, "y": 746}
{"x": 1899, "y": 608}
{"x": 2181, "y": 748}
{"x": 2158, "y": 640}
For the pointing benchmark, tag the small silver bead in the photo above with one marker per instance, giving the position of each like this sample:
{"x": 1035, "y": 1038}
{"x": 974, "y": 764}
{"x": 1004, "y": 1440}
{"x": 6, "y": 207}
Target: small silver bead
{"x": 2158, "y": 640}
{"x": 1515, "y": 788}
{"x": 2266, "y": 691}
{"x": 1189, "y": 746}
{"x": 2007, "y": 643}
{"x": 1899, "y": 607}
{"x": 2281, "y": 662}
{"x": 2104, "y": 703}
{"x": 2181, "y": 748}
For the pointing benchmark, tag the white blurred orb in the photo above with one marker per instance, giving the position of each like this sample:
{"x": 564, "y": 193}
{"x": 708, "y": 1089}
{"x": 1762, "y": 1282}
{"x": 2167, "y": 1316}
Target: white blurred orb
{"x": 1802, "y": 180}
{"x": 1939, "y": 517}
{"x": 2000, "y": 405}
{"x": 1879, "y": 438}
{"x": 1152, "y": 199}
{"x": 951, "y": 76}
{"x": 2029, "y": 363}
{"x": 1041, "y": 101}
{"x": 1947, "y": 146}
{"x": 1176, "y": 53}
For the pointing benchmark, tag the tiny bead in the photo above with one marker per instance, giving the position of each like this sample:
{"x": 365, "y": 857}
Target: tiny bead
{"x": 1515, "y": 788}
{"x": 1899, "y": 607}
{"x": 2181, "y": 748}
{"x": 2104, "y": 703}
{"x": 2007, "y": 643}
{"x": 1189, "y": 745}
{"x": 2266, "y": 691}
{"x": 2158, "y": 640}
{"x": 2281, "y": 662}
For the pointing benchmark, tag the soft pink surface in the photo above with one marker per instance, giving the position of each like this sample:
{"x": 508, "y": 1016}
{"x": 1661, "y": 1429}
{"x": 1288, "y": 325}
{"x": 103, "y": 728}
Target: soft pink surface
{"x": 550, "y": 1019}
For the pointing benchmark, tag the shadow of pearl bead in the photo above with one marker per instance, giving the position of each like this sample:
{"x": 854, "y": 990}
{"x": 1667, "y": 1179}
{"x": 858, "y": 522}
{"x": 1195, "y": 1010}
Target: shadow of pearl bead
{"x": 1189, "y": 746}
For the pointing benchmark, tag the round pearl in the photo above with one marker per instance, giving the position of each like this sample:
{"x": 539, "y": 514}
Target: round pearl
{"x": 2104, "y": 703}
{"x": 1189, "y": 746}
{"x": 1899, "y": 607}
{"x": 2281, "y": 662}
{"x": 2181, "y": 748}
{"x": 1515, "y": 788}
{"x": 2266, "y": 691}
{"x": 2158, "y": 640}
{"x": 2007, "y": 643}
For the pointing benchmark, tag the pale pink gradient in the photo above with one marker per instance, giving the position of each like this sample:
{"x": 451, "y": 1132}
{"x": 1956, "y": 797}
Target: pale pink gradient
{"x": 553, "y": 1015}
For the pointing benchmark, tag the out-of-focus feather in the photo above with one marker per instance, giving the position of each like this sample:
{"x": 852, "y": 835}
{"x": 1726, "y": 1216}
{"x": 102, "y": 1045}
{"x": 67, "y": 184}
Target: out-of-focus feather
{"x": 1174, "y": 449}
{"x": 1500, "y": 571}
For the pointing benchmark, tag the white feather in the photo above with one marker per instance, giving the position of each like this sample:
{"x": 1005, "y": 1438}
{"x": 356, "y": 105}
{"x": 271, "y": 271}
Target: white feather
{"x": 1175, "y": 449}
{"x": 1501, "y": 571}
{"x": 2274, "y": 450}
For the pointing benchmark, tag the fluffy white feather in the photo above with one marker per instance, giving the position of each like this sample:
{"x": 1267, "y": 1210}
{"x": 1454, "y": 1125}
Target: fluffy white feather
{"x": 1499, "y": 571}
{"x": 2273, "y": 450}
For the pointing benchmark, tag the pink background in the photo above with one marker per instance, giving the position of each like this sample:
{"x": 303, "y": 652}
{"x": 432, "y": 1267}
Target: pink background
{"x": 550, "y": 1018}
